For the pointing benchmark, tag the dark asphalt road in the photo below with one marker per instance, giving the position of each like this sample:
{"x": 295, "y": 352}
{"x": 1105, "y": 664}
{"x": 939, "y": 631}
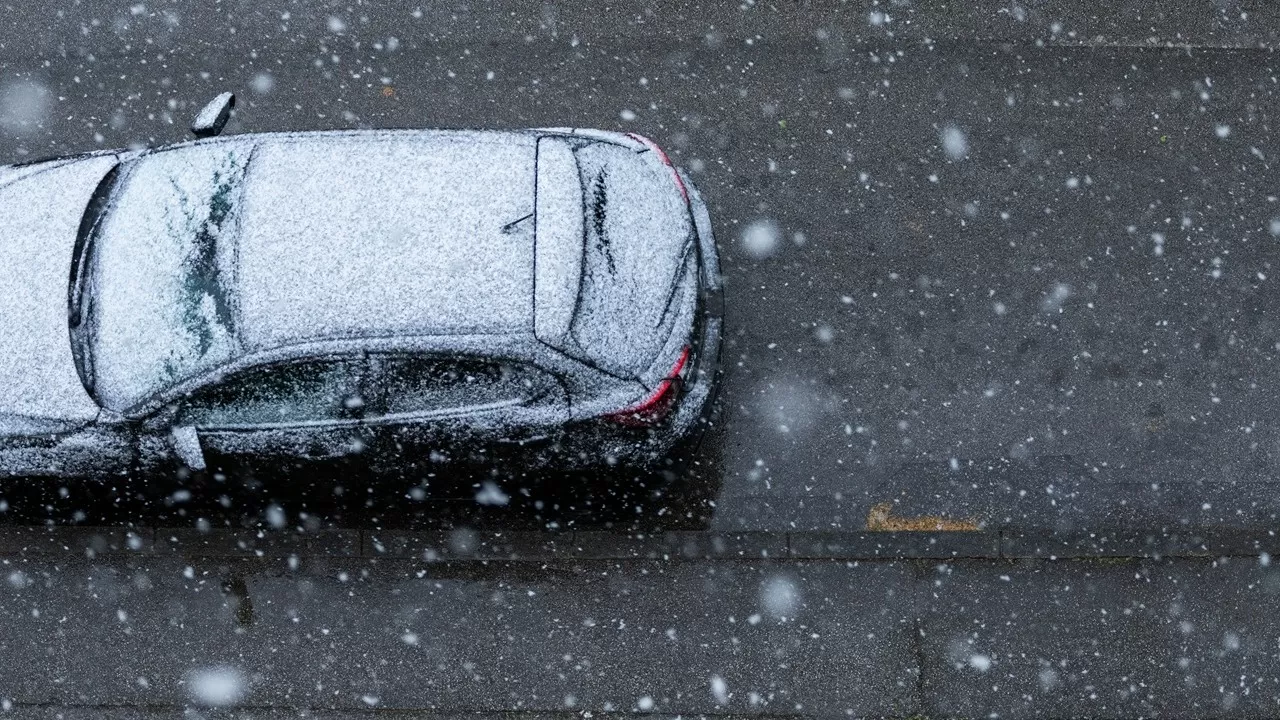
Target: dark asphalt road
{"x": 1089, "y": 278}
{"x": 135, "y": 627}
{"x": 1020, "y": 250}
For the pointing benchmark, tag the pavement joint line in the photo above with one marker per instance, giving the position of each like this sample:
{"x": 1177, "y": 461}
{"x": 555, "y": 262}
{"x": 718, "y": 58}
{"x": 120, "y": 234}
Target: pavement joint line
{"x": 405, "y": 712}
{"x": 667, "y": 546}
{"x": 1268, "y": 48}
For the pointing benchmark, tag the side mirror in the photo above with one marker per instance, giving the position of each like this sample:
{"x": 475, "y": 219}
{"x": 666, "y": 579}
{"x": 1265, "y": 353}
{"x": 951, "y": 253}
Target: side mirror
{"x": 213, "y": 117}
{"x": 186, "y": 445}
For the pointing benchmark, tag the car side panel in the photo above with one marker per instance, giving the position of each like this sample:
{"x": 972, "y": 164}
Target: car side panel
{"x": 91, "y": 452}
{"x": 497, "y": 433}
{"x": 270, "y": 453}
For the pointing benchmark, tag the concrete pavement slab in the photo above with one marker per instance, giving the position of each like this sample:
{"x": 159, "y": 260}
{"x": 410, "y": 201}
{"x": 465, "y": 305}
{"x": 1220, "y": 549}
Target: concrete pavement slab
{"x": 1104, "y": 639}
{"x": 142, "y": 634}
{"x": 962, "y": 637}
{"x": 604, "y": 638}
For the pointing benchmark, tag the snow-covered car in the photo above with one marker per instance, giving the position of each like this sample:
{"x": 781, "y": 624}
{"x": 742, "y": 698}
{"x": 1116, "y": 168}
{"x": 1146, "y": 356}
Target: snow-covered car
{"x": 399, "y": 298}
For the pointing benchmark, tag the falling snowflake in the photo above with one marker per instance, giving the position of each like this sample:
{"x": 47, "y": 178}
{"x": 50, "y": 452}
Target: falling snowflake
{"x": 780, "y": 596}
{"x": 491, "y": 494}
{"x": 954, "y": 142}
{"x": 262, "y": 83}
{"x": 24, "y": 106}
{"x": 981, "y": 663}
{"x": 217, "y": 686}
{"x": 761, "y": 238}
{"x": 719, "y": 690}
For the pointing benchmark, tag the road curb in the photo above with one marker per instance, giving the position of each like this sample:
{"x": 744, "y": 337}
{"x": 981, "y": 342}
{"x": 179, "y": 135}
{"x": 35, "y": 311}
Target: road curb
{"x": 464, "y": 546}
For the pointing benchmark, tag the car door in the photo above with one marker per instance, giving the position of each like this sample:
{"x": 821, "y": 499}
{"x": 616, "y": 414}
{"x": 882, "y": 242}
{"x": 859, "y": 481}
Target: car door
{"x": 426, "y": 412}
{"x": 280, "y": 419}
{"x": 40, "y": 448}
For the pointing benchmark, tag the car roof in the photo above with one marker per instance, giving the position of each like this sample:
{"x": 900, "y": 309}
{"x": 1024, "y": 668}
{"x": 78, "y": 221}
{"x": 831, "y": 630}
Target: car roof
{"x": 385, "y": 233}
{"x": 224, "y": 247}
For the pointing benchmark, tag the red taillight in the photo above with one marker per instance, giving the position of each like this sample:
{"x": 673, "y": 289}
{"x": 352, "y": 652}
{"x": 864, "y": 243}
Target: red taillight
{"x": 654, "y": 408}
{"x": 653, "y": 146}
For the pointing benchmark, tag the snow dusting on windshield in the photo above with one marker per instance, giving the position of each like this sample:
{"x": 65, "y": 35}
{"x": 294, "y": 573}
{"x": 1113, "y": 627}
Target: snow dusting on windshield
{"x": 162, "y": 272}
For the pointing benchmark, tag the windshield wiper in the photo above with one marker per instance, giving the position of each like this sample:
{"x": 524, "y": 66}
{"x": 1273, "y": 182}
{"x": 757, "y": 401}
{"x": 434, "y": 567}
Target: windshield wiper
{"x": 511, "y": 226}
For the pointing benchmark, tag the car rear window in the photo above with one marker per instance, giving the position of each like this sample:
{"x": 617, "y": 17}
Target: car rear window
{"x": 637, "y": 238}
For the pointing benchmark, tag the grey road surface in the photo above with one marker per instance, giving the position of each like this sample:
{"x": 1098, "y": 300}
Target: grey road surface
{"x": 155, "y": 625}
{"x": 951, "y": 237}
{"x": 1002, "y": 266}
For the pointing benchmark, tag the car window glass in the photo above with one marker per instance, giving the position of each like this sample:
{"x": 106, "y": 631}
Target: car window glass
{"x": 427, "y": 384}
{"x": 301, "y": 392}
{"x": 636, "y": 239}
{"x": 160, "y": 272}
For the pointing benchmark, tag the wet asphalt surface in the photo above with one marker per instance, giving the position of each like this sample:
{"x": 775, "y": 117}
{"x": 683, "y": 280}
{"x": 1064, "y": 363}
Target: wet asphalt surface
{"x": 1023, "y": 253}
{"x": 1083, "y": 274}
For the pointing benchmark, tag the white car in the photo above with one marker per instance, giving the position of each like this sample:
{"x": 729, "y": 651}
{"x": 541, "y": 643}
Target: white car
{"x": 395, "y": 299}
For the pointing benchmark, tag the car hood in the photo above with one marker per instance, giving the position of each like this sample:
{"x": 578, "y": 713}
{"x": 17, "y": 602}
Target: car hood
{"x": 40, "y": 213}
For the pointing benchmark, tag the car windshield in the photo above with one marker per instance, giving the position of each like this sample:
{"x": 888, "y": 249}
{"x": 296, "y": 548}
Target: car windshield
{"x": 151, "y": 300}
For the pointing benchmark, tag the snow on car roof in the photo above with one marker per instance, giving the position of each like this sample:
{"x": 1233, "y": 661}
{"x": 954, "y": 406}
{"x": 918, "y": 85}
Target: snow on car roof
{"x": 386, "y": 233}
{"x": 218, "y": 248}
